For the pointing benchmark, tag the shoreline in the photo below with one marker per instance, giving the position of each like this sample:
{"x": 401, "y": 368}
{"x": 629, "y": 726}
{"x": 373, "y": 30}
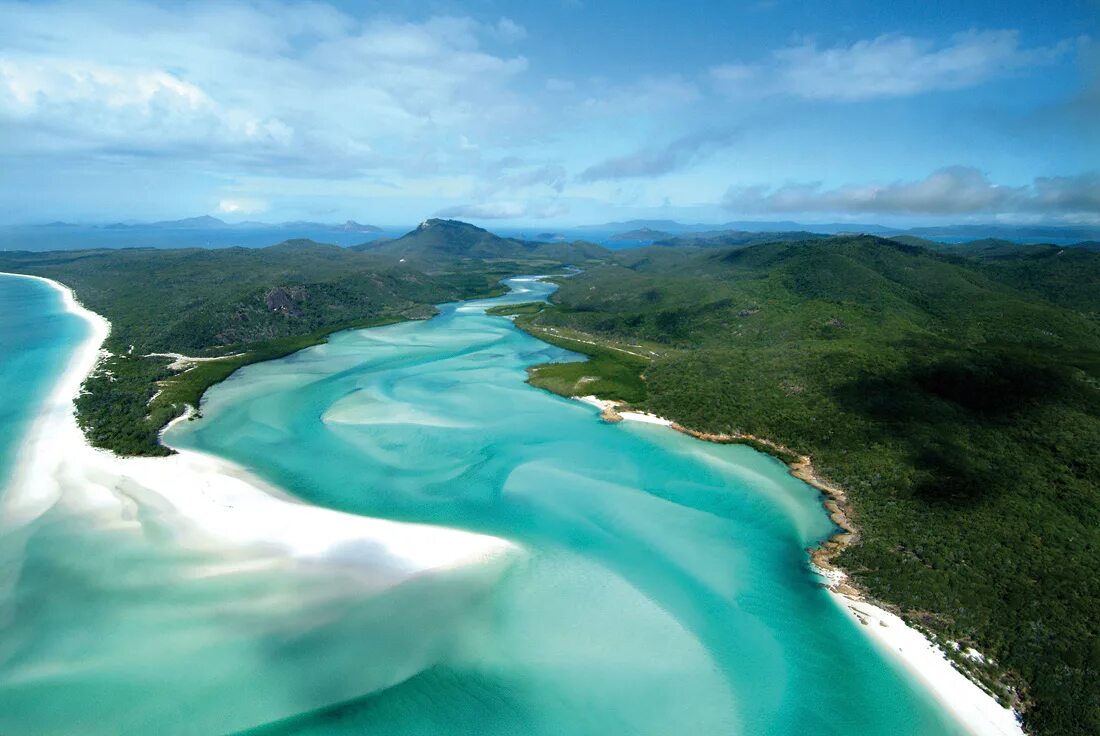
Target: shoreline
{"x": 919, "y": 655}
{"x": 207, "y": 502}
{"x": 58, "y": 404}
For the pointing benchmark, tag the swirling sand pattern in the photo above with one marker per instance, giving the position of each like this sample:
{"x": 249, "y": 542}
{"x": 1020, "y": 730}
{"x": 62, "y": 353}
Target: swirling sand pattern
{"x": 665, "y": 588}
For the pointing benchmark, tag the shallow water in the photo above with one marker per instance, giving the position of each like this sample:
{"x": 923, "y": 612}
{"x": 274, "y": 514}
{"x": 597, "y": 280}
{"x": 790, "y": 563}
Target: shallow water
{"x": 116, "y": 617}
{"x": 36, "y": 337}
{"x": 665, "y": 588}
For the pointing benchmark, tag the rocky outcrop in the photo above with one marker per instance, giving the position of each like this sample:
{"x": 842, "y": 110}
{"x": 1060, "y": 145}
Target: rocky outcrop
{"x": 286, "y": 300}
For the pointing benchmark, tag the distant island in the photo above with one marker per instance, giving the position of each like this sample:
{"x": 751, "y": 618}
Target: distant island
{"x": 204, "y": 231}
{"x": 208, "y": 222}
{"x": 641, "y": 234}
{"x": 1061, "y": 234}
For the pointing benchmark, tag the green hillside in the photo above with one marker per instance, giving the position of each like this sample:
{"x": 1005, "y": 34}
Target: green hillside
{"x": 732, "y": 238}
{"x": 250, "y": 304}
{"x": 440, "y": 243}
{"x": 957, "y": 400}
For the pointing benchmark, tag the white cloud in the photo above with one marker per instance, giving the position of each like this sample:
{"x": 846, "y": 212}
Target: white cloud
{"x": 891, "y": 65}
{"x": 549, "y": 175}
{"x": 241, "y": 206}
{"x": 509, "y": 31}
{"x": 307, "y": 90}
{"x": 956, "y": 190}
{"x": 659, "y": 160}
{"x": 505, "y": 210}
{"x": 128, "y": 107}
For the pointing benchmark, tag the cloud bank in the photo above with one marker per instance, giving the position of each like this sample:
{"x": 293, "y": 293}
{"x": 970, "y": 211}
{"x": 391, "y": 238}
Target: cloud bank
{"x": 505, "y": 210}
{"x": 955, "y": 190}
{"x": 308, "y": 90}
{"x": 123, "y": 106}
{"x": 650, "y": 162}
{"x": 891, "y": 65}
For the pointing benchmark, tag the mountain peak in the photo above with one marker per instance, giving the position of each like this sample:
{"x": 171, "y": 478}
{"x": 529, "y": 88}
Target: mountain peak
{"x": 439, "y": 238}
{"x": 351, "y": 226}
{"x": 438, "y": 222}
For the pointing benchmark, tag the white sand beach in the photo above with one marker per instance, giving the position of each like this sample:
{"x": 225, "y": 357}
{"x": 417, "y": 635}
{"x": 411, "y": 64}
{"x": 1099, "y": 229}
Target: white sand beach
{"x": 969, "y": 703}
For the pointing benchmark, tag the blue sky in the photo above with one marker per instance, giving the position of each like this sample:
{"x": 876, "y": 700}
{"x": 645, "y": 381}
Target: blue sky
{"x": 558, "y": 112}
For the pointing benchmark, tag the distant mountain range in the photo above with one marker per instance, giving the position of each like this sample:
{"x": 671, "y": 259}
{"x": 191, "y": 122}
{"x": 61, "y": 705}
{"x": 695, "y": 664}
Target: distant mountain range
{"x": 436, "y": 241}
{"x": 631, "y": 229}
{"x": 641, "y": 234}
{"x": 206, "y": 222}
{"x": 206, "y": 231}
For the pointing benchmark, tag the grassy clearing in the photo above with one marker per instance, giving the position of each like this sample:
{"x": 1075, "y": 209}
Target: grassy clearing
{"x": 515, "y": 310}
{"x": 608, "y": 373}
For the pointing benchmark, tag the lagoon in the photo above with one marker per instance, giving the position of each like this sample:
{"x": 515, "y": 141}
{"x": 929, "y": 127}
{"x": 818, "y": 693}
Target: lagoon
{"x": 664, "y": 587}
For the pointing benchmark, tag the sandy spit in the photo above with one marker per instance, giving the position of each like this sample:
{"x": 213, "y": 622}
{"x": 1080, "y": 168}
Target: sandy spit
{"x": 206, "y": 501}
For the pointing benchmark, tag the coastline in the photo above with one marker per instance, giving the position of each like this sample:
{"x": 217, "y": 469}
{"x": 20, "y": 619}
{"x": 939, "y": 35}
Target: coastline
{"x": 967, "y": 701}
{"x": 205, "y": 501}
{"x": 57, "y": 407}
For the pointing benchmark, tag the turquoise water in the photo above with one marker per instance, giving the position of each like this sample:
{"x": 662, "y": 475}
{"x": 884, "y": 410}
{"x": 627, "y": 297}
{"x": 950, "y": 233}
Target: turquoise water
{"x": 36, "y": 338}
{"x": 664, "y": 588}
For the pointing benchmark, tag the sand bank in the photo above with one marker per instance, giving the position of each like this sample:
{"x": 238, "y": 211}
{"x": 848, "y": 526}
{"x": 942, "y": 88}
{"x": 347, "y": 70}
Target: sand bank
{"x": 609, "y": 412}
{"x": 182, "y": 362}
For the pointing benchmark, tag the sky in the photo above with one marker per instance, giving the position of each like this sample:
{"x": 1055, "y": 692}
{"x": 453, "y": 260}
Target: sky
{"x": 555, "y": 113}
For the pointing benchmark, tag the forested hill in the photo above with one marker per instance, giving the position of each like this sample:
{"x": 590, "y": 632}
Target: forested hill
{"x": 956, "y": 399}
{"x": 731, "y": 238}
{"x": 202, "y": 301}
{"x": 249, "y": 304}
{"x": 439, "y": 243}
